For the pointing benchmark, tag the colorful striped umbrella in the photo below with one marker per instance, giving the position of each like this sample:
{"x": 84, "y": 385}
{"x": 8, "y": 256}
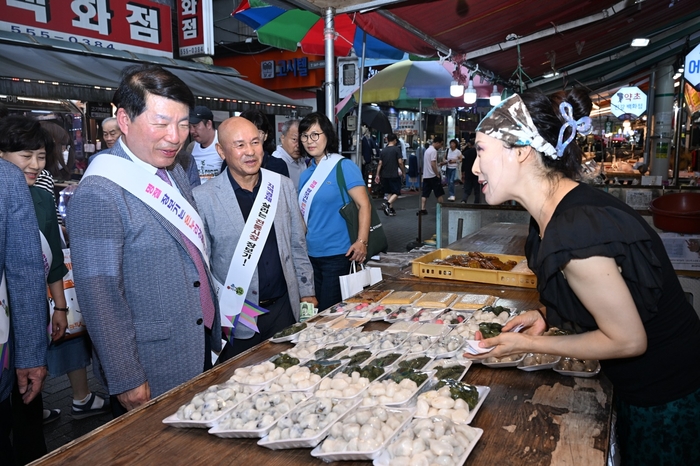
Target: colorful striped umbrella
{"x": 289, "y": 29}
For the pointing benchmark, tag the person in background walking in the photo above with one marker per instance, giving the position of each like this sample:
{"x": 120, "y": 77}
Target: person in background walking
{"x": 454, "y": 157}
{"x": 389, "y": 173}
{"x": 470, "y": 180}
{"x": 432, "y": 181}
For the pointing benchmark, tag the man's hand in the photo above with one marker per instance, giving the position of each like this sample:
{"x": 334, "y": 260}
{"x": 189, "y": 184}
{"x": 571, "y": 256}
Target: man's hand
{"x": 30, "y": 381}
{"x": 135, "y": 397}
{"x": 310, "y": 299}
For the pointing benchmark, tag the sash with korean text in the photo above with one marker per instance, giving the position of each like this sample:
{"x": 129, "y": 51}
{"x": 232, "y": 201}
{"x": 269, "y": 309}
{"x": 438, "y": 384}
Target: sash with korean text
{"x": 309, "y": 190}
{"x": 232, "y": 303}
{"x": 155, "y": 193}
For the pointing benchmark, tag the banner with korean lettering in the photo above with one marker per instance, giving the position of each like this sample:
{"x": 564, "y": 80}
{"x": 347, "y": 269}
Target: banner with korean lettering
{"x": 141, "y": 26}
{"x": 195, "y": 27}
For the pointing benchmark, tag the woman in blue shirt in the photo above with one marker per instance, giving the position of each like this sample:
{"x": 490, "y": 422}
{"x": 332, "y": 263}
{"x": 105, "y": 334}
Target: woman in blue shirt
{"x": 328, "y": 241}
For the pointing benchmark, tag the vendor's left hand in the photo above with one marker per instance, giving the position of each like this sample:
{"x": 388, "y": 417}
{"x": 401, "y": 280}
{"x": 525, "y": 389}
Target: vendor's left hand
{"x": 310, "y": 299}
{"x": 505, "y": 344}
{"x": 357, "y": 252}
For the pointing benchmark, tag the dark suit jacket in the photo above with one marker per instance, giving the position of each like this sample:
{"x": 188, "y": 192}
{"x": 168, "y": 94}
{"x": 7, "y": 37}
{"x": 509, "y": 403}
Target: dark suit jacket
{"x": 137, "y": 286}
{"x": 23, "y": 266}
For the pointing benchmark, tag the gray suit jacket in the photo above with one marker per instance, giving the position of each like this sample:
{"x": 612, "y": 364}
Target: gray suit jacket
{"x": 137, "y": 287}
{"x": 22, "y": 263}
{"x": 223, "y": 225}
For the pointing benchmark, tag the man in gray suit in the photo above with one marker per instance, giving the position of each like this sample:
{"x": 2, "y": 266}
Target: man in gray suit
{"x": 141, "y": 281}
{"x": 23, "y": 336}
{"x": 283, "y": 276}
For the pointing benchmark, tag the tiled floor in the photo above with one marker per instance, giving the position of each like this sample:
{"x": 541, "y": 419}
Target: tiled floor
{"x": 400, "y": 230}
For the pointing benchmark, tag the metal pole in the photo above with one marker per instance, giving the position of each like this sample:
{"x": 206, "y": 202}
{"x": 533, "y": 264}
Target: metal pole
{"x": 358, "y": 136}
{"x": 329, "y": 36}
{"x": 650, "y": 118}
{"x": 420, "y": 175}
{"x": 679, "y": 127}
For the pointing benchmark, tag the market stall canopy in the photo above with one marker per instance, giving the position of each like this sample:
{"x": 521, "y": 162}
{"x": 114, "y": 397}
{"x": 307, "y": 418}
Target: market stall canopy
{"x": 294, "y": 28}
{"x": 584, "y": 42}
{"x": 56, "y": 73}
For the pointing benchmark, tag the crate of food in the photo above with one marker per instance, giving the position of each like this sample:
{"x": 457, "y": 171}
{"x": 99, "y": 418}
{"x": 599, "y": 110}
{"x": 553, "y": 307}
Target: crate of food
{"x": 495, "y": 269}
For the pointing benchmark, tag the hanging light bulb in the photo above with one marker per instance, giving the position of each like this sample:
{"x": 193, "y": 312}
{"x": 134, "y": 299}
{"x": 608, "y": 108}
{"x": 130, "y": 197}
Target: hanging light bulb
{"x": 495, "y": 97}
{"x": 470, "y": 93}
{"x": 456, "y": 89}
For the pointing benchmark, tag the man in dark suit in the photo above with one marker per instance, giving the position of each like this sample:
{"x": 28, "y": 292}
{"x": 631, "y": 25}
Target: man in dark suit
{"x": 23, "y": 337}
{"x": 137, "y": 249}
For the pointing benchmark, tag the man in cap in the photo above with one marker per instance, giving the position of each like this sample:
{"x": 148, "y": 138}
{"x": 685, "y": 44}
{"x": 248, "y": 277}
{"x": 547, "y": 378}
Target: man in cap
{"x": 203, "y": 148}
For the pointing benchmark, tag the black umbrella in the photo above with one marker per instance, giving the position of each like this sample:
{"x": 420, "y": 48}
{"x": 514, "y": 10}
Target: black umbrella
{"x": 374, "y": 118}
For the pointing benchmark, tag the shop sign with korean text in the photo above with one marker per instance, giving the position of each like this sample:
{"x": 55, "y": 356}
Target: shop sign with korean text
{"x": 692, "y": 67}
{"x": 628, "y": 102}
{"x": 141, "y": 26}
{"x": 195, "y": 27}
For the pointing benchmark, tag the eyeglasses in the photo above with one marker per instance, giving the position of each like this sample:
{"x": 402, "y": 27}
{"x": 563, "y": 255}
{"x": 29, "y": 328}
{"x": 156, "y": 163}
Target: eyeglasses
{"x": 313, "y": 136}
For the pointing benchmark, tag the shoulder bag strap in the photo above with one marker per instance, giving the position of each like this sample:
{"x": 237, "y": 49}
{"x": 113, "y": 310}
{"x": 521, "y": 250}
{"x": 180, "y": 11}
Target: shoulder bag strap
{"x": 341, "y": 182}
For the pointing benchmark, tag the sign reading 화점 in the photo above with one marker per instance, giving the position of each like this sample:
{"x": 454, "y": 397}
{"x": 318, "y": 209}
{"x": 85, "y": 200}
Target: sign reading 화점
{"x": 195, "y": 27}
{"x": 628, "y": 101}
{"x": 692, "y": 67}
{"x": 142, "y": 26}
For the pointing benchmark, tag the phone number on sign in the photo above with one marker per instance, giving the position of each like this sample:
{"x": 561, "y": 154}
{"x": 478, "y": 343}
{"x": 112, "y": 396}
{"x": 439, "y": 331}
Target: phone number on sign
{"x": 61, "y": 36}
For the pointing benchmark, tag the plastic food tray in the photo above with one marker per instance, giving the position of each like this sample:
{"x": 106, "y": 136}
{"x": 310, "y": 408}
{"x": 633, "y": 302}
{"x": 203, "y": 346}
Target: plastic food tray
{"x": 431, "y": 330}
{"x": 411, "y": 400}
{"x": 385, "y": 457}
{"x": 503, "y": 364}
{"x": 437, "y": 363}
{"x": 448, "y": 354}
{"x": 483, "y": 392}
{"x": 576, "y": 373}
{"x": 538, "y": 367}
{"x": 308, "y": 442}
{"x": 174, "y": 421}
{"x": 365, "y": 455}
{"x": 369, "y": 296}
{"x": 423, "y": 267}
{"x": 402, "y": 326}
{"x": 414, "y": 356}
{"x": 293, "y": 337}
{"x": 256, "y": 433}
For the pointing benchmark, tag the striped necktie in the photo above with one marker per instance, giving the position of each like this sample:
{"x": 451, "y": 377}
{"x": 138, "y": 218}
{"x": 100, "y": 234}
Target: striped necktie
{"x": 205, "y": 298}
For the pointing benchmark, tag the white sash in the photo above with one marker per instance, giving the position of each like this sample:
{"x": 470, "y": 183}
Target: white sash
{"x": 308, "y": 192}
{"x": 47, "y": 255}
{"x": 154, "y": 192}
{"x": 249, "y": 248}
{"x": 4, "y": 313}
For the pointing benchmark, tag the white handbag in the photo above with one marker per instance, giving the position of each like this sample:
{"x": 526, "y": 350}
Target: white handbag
{"x": 359, "y": 278}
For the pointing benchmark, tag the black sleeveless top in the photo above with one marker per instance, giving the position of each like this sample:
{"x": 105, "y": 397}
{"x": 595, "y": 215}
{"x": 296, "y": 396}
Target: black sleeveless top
{"x": 589, "y": 222}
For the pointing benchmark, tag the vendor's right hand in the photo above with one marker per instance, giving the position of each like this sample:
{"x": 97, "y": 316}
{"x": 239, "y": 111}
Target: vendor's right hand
{"x": 135, "y": 397}
{"x": 532, "y": 321}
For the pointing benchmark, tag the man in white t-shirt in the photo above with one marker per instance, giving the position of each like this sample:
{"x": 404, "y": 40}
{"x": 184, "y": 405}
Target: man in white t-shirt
{"x": 432, "y": 181}
{"x": 203, "y": 148}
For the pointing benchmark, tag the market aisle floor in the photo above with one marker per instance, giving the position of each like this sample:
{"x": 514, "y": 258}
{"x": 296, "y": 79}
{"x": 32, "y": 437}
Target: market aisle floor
{"x": 401, "y": 230}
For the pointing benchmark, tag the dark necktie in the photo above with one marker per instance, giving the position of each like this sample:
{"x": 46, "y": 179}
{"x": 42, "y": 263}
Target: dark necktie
{"x": 205, "y": 299}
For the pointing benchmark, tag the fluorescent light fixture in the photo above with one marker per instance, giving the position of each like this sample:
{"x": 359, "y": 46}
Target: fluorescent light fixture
{"x": 495, "y": 97}
{"x": 456, "y": 89}
{"x": 640, "y": 42}
{"x": 470, "y": 93}
{"x": 677, "y": 75}
{"x": 43, "y": 101}
{"x": 551, "y": 75}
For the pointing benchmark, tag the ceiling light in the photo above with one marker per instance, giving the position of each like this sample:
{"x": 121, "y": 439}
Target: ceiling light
{"x": 640, "y": 42}
{"x": 677, "y": 75}
{"x": 495, "y": 97}
{"x": 470, "y": 93}
{"x": 456, "y": 89}
{"x": 551, "y": 75}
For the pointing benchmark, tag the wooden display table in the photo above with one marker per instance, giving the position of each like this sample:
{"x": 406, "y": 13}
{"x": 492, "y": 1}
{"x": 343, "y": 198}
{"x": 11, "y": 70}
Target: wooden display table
{"x": 535, "y": 418}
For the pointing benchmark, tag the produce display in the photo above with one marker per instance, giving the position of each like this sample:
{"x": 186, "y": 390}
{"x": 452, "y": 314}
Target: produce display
{"x": 369, "y": 296}
{"x": 309, "y": 419}
{"x": 416, "y": 362}
{"x": 436, "y": 299}
{"x": 453, "y": 317}
{"x": 582, "y": 366}
{"x": 433, "y": 441}
{"x": 339, "y": 336}
{"x": 358, "y": 356}
{"x": 402, "y": 313}
{"x": 388, "y": 391}
{"x": 214, "y": 401}
{"x": 418, "y": 343}
{"x": 449, "y": 369}
{"x": 284, "y": 361}
{"x": 363, "y": 338}
{"x": 476, "y": 260}
{"x": 445, "y": 346}
{"x": 385, "y": 359}
{"x": 426, "y": 314}
{"x": 260, "y": 411}
{"x": 329, "y": 352}
{"x": 295, "y": 378}
{"x": 304, "y": 350}
{"x": 402, "y": 297}
{"x": 473, "y": 301}
{"x": 313, "y": 334}
{"x": 390, "y": 340}
{"x": 258, "y": 374}
{"x": 369, "y": 372}
{"x": 296, "y": 328}
{"x": 364, "y": 431}
{"x": 342, "y": 385}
